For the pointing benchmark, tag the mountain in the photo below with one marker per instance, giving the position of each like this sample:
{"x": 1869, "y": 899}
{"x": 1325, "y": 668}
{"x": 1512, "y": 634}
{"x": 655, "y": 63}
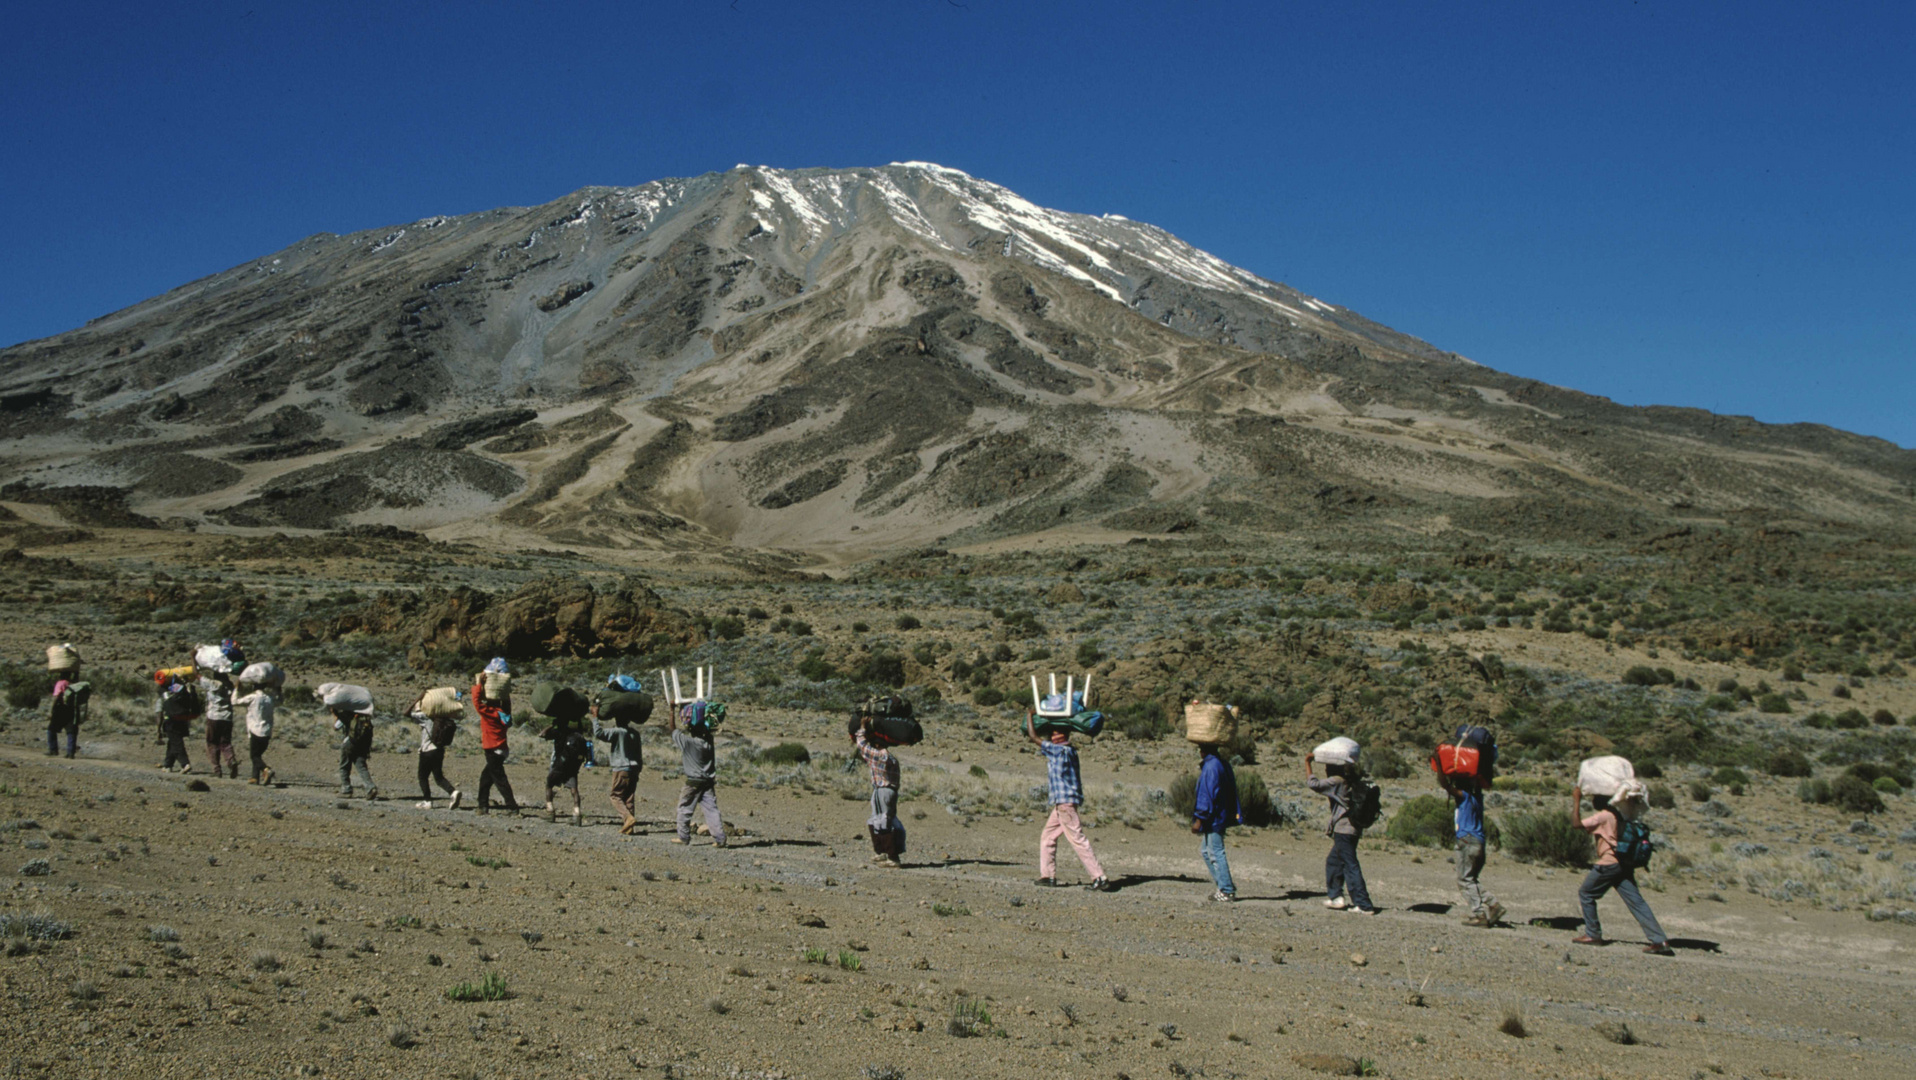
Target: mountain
{"x": 827, "y": 364}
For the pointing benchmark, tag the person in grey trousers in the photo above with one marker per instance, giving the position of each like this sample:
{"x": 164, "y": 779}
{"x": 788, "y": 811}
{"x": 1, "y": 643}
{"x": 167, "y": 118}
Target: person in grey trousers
{"x": 1610, "y": 872}
{"x": 698, "y": 758}
{"x": 1468, "y": 819}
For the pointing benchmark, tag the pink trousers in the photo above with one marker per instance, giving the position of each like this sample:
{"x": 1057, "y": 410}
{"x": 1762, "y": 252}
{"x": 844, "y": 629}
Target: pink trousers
{"x": 1064, "y": 822}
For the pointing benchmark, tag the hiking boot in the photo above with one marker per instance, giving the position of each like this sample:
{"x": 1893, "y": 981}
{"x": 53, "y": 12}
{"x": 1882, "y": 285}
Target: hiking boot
{"x": 1046, "y": 883}
{"x": 720, "y": 842}
{"x": 70, "y": 754}
{"x": 578, "y": 818}
{"x": 1098, "y": 885}
{"x": 456, "y": 796}
{"x": 551, "y": 814}
{"x": 483, "y": 811}
{"x": 372, "y": 793}
{"x": 892, "y": 863}
{"x": 1659, "y": 948}
{"x": 1586, "y": 939}
{"x": 1338, "y": 904}
{"x": 1476, "y": 920}
{"x": 876, "y": 859}
{"x": 1362, "y": 910}
{"x": 232, "y": 771}
{"x": 626, "y": 828}
{"x": 1493, "y": 914}
{"x": 268, "y": 778}
{"x": 53, "y": 753}
{"x": 1222, "y": 897}
{"x": 253, "y": 780}
{"x": 681, "y": 839}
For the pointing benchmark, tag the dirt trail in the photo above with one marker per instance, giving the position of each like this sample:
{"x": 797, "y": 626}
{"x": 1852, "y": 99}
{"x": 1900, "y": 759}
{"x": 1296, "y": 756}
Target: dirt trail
{"x": 690, "y": 961}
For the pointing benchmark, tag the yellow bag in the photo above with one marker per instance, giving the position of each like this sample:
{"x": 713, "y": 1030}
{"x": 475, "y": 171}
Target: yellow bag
{"x": 442, "y": 703}
{"x": 1205, "y": 722}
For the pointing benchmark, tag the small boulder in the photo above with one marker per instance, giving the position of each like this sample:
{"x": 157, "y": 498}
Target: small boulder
{"x": 1617, "y": 1032}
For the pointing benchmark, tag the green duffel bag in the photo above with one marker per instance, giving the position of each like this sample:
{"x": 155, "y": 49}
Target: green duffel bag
{"x": 559, "y": 702}
{"x": 617, "y": 705}
{"x": 1090, "y": 722}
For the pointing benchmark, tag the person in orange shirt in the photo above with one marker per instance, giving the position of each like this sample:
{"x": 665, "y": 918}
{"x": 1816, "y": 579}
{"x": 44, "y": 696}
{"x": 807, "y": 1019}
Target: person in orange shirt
{"x": 1610, "y": 872}
{"x": 493, "y": 722}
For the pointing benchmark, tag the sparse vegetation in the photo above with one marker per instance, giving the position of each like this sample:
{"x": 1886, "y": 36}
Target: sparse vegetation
{"x": 968, "y": 1018}
{"x": 1549, "y": 838}
{"x": 490, "y": 988}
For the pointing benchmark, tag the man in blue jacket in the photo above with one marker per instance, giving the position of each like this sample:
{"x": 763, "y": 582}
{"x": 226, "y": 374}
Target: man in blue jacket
{"x": 1216, "y": 811}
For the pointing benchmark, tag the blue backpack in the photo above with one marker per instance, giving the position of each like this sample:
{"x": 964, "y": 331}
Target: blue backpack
{"x": 1634, "y": 846}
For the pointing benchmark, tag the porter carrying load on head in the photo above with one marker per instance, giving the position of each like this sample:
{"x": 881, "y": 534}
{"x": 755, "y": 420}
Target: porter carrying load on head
{"x": 352, "y": 709}
{"x": 1623, "y": 847}
{"x": 1069, "y": 710}
{"x": 494, "y": 685}
{"x": 438, "y": 712}
{"x": 259, "y": 686}
{"x": 570, "y": 745}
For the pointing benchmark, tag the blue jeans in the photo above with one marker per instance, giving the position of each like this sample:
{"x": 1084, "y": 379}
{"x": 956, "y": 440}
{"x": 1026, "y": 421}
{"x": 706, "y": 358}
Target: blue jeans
{"x": 1218, "y": 863}
{"x": 1341, "y": 870}
{"x": 1602, "y": 879}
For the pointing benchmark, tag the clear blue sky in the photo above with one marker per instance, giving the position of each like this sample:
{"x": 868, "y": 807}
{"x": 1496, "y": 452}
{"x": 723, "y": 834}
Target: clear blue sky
{"x": 1695, "y": 204}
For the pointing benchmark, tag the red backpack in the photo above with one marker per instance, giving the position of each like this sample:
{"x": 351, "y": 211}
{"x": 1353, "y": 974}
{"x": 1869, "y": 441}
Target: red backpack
{"x": 1470, "y": 757}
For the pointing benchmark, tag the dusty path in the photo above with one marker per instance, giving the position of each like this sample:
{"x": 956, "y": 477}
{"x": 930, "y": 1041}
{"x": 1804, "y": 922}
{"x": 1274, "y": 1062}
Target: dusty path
{"x": 624, "y": 952}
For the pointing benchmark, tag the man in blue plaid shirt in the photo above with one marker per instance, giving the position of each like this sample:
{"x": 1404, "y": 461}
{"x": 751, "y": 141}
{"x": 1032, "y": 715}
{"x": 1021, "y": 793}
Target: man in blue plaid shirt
{"x": 1067, "y": 794}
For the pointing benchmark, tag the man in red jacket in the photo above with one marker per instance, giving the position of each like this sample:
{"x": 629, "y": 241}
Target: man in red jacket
{"x": 492, "y": 740}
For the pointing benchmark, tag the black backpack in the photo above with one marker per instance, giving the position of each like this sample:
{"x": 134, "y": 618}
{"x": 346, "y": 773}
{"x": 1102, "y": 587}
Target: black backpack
{"x": 70, "y": 705}
{"x": 443, "y": 729}
{"x": 183, "y": 704}
{"x": 1366, "y": 803}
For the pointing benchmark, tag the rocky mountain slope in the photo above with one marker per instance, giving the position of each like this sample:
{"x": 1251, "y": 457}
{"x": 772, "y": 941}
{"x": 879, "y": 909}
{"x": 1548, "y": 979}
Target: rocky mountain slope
{"x": 833, "y": 363}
